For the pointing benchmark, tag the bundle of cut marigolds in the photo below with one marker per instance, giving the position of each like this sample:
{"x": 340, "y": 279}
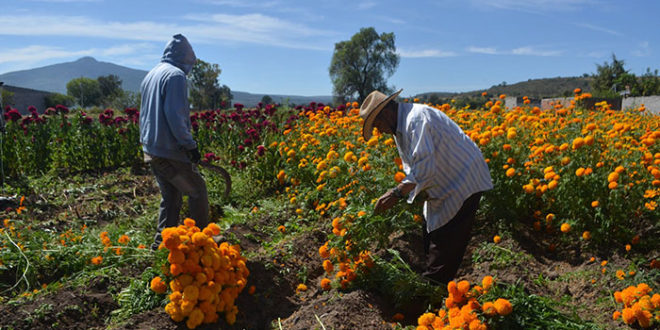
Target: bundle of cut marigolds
{"x": 205, "y": 278}
{"x": 463, "y": 309}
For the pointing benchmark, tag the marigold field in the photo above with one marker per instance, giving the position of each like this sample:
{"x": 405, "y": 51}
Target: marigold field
{"x": 567, "y": 239}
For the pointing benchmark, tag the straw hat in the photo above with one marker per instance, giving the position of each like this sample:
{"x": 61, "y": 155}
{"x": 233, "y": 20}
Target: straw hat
{"x": 371, "y": 107}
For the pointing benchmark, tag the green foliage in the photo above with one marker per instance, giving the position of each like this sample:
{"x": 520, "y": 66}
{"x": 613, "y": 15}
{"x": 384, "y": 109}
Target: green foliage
{"x": 138, "y": 297}
{"x": 6, "y": 98}
{"x": 533, "y": 312}
{"x": 363, "y": 64}
{"x": 86, "y": 91}
{"x": 649, "y": 83}
{"x": 54, "y": 99}
{"x": 266, "y": 99}
{"x": 110, "y": 87}
{"x": 205, "y": 91}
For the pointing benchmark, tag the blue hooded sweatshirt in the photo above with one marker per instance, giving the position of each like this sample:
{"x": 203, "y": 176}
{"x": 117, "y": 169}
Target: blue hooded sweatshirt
{"x": 164, "y": 112}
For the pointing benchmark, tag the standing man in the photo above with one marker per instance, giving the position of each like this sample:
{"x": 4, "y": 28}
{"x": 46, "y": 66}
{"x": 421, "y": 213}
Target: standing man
{"x": 442, "y": 162}
{"x": 166, "y": 138}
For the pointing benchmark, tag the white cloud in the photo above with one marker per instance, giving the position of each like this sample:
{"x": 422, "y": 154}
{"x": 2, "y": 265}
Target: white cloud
{"x": 249, "y": 28}
{"x": 34, "y": 54}
{"x": 483, "y": 50}
{"x": 531, "y": 51}
{"x": 425, "y": 53}
{"x": 643, "y": 50}
{"x": 535, "y": 5}
{"x": 525, "y": 50}
{"x": 599, "y": 29}
{"x": 366, "y": 5}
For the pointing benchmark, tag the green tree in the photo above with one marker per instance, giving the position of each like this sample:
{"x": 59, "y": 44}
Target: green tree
{"x": 612, "y": 78}
{"x": 649, "y": 83}
{"x": 110, "y": 88}
{"x": 205, "y": 91}
{"x": 54, "y": 99}
{"x": 363, "y": 64}
{"x": 6, "y": 98}
{"x": 86, "y": 91}
{"x": 266, "y": 99}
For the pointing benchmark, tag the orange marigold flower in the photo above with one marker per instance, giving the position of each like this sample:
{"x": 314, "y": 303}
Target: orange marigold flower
{"x": 565, "y": 227}
{"x": 281, "y": 229}
{"x": 199, "y": 239}
{"x": 301, "y": 287}
{"x": 123, "y": 239}
{"x": 399, "y": 176}
{"x": 595, "y": 204}
{"x": 488, "y": 308}
{"x": 326, "y": 284}
{"x": 487, "y": 282}
{"x": 503, "y": 306}
{"x": 586, "y": 235}
{"x": 426, "y": 319}
{"x": 97, "y": 260}
{"x": 328, "y": 266}
{"x": 496, "y": 239}
{"x": 188, "y": 222}
{"x": 157, "y": 285}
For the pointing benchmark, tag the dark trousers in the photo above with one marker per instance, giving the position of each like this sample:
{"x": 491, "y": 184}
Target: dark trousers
{"x": 176, "y": 179}
{"x": 445, "y": 246}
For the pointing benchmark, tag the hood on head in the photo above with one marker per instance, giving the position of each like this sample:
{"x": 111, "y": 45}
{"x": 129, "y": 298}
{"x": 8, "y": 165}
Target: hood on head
{"x": 179, "y": 53}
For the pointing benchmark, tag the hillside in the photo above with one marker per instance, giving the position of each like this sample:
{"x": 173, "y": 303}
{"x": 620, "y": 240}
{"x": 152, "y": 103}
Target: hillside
{"x": 53, "y": 78}
{"x": 533, "y": 88}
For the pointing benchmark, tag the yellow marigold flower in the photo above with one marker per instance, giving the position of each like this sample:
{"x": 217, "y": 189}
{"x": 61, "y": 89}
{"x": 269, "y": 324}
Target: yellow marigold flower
{"x": 510, "y": 172}
{"x": 628, "y": 247}
{"x": 613, "y": 177}
{"x": 301, "y": 287}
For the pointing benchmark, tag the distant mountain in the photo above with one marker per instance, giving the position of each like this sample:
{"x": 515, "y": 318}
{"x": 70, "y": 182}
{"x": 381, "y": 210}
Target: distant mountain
{"x": 532, "y": 88}
{"x": 53, "y": 78}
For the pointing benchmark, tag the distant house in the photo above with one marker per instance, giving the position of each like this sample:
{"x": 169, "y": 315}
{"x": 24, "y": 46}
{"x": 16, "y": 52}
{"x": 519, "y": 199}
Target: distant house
{"x": 25, "y": 97}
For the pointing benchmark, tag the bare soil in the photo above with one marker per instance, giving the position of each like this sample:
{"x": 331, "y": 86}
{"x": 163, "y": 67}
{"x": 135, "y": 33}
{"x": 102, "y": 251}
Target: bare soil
{"x": 277, "y": 304}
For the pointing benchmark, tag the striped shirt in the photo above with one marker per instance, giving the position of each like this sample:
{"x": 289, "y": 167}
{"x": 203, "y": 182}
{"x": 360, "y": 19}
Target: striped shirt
{"x": 440, "y": 159}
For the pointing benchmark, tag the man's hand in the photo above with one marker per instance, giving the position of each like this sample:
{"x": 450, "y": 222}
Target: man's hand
{"x": 194, "y": 155}
{"x": 385, "y": 202}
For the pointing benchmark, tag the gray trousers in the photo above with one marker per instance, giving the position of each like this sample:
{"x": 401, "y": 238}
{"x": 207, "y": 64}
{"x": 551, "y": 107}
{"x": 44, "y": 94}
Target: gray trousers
{"x": 176, "y": 179}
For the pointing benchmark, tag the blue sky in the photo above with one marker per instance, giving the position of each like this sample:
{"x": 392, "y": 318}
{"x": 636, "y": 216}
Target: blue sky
{"x": 285, "y": 47}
